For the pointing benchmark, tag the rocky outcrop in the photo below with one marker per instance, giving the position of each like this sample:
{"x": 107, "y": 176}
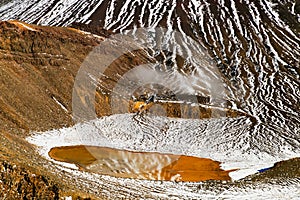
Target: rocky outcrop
{"x": 22, "y": 184}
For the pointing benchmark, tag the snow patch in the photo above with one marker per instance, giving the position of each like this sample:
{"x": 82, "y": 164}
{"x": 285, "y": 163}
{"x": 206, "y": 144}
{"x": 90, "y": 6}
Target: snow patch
{"x": 60, "y": 104}
{"x": 164, "y": 135}
{"x": 23, "y": 25}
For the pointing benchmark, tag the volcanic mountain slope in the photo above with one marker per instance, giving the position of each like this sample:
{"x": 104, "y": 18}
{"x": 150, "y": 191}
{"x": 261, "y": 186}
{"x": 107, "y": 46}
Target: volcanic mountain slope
{"x": 38, "y": 66}
{"x": 255, "y": 45}
{"x": 112, "y": 13}
{"x": 37, "y": 70}
{"x": 35, "y": 61}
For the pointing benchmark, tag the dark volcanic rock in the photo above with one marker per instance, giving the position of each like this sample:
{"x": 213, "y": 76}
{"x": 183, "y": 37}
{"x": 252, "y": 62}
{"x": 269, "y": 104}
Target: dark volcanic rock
{"x": 22, "y": 184}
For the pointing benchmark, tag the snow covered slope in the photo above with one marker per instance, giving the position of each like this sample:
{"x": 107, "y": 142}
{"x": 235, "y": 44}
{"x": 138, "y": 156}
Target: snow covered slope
{"x": 255, "y": 44}
{"x": 256, "y": 50}
{"x": 256, "y": 47}
{"x": 221, "y": 139}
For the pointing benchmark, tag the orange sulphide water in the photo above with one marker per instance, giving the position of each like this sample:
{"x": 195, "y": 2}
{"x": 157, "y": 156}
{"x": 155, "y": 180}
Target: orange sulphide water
{"x": 140, "y": 165}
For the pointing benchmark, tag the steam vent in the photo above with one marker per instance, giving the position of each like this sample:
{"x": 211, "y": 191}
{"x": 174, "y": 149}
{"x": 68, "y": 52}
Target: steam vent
{"x": 149, "y": 99}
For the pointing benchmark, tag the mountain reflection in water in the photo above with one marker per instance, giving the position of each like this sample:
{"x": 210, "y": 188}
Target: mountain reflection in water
{"x": 141, "y": 165}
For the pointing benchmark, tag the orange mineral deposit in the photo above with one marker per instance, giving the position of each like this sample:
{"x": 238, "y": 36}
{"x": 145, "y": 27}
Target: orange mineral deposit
{"x": 140, "y": 165}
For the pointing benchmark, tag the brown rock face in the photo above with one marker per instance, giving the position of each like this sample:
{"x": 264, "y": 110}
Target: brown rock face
{"x": 37, "y": 70}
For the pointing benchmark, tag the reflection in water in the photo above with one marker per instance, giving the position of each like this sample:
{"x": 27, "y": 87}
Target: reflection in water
{"x": 146, "y": 165}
